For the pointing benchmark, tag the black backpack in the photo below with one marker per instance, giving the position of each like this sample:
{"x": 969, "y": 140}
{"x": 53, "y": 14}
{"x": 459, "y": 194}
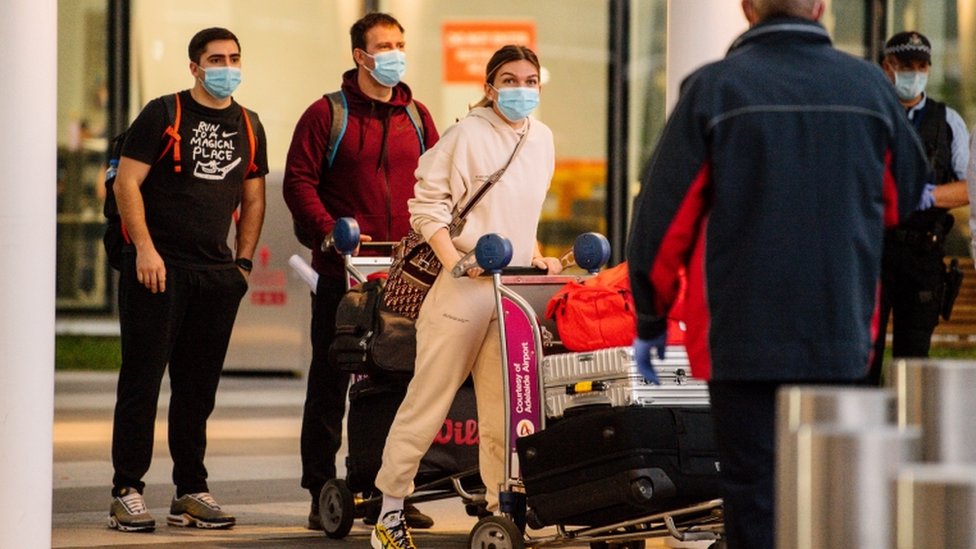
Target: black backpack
{"x": 340, "y": 118}
{"x": 369, "y": 338}
{"x": 116, "y": 237}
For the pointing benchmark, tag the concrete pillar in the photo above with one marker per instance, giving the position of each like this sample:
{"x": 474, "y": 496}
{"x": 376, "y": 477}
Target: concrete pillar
{"x": 804, "y": 406}
{"x": 28, "y": 109}
{"x": 699, "y": 32}
{"x": 847, "y": 484}
{"x": 936, "y": 396}
{"x": 936, "y": 506}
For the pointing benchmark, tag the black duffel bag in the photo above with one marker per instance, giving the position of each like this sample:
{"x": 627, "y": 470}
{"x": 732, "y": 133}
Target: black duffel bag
{"x": 609, "y": 465}
{"x": 369, "y": 338}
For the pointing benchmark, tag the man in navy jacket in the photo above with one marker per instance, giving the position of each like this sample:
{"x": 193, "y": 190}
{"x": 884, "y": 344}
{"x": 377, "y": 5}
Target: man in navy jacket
{"x": 772, "y": 185}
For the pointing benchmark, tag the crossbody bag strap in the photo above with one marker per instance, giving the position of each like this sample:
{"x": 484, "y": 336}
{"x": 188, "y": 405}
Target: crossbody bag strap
{"x": 492, "y": 179}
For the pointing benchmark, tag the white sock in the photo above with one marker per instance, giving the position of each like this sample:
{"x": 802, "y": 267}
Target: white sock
{"x": 390, "y": 503}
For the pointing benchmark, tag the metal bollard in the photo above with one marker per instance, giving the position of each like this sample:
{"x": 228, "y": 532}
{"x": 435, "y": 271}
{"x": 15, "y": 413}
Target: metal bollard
{"x": 846, "y": 484}
{"x": 800, "y": 406}
{"x": 936, "y": 506}
{"x": 936, "y": 395}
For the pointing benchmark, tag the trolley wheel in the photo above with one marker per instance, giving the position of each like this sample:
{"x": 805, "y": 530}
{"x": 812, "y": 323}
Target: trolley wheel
{"x": 496, "y": 532}
{"x": 633, "y": 544}
{"x": 337, "y": 508}
{"x": 533, "y": 521}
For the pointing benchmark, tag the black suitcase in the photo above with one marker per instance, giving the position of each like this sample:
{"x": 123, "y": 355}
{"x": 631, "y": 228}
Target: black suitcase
{"x": 603, "y": 466}
{"x": 373, "y": 405}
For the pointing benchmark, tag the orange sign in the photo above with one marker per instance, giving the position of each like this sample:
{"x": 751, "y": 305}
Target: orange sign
{"x": 468, "y": 45}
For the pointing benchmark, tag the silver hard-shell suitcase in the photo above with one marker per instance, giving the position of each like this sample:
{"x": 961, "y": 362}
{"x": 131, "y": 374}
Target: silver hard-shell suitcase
{"x": 610, "y": 377}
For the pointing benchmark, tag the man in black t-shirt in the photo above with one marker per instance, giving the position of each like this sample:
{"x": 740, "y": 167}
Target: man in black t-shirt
{"x": 181, "y": 178}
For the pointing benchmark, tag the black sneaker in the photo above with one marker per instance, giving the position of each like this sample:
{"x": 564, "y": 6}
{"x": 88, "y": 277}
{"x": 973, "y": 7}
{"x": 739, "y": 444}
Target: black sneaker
{"x": 128, "y": 512}
{"x": 200, "y": 510}
{"x": 392, "y": 533}
{"x": 415, "y": 519}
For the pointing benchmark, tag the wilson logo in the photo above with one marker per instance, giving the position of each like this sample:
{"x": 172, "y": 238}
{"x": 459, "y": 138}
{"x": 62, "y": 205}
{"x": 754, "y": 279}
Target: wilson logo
{"x": 458, "y": 433}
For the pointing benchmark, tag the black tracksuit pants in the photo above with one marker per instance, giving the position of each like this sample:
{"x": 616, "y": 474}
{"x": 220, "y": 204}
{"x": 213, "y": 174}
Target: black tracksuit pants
{"x": 325, "y": 399}
{"x": 912, "y": 288}
{"x": 187, "y": 327}
{"x": 744, "y": 413}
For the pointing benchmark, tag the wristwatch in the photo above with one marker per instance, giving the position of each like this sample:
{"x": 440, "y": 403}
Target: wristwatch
{"x": 244, "y": 263}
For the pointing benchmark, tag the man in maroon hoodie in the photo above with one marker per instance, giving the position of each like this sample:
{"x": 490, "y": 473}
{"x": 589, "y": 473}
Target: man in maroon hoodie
{"x": 367, "y": 175}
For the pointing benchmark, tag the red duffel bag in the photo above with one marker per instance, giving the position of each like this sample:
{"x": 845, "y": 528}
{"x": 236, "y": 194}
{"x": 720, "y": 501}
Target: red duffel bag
{"x": 599, "y": 313}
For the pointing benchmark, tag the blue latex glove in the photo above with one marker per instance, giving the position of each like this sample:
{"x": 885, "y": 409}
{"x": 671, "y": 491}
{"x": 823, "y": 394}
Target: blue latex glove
{"x": 642, "y": 355}
{"x": 928, "y": 199}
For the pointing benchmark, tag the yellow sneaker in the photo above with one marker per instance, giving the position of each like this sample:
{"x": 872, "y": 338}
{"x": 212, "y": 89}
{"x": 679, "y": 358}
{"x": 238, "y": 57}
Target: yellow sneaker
{"x": 392, "y": 532}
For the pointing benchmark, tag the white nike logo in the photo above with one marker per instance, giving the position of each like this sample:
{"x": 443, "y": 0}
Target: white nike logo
{"x": 210, "y": 170}
{"x": 226, "y": 134}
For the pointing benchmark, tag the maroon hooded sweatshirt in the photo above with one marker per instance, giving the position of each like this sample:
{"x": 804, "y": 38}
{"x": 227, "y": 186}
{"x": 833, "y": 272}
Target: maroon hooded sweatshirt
{"x": 372, "y": 176}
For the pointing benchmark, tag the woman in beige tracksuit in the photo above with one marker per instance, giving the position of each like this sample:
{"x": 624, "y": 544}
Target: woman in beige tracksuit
{"x": 457, "y": 331}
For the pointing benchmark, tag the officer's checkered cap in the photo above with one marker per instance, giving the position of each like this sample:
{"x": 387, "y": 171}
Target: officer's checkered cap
{"x": 909, "y": 45}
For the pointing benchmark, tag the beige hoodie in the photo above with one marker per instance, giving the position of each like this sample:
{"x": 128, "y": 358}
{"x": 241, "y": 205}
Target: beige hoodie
{"x": 465, "y": 156}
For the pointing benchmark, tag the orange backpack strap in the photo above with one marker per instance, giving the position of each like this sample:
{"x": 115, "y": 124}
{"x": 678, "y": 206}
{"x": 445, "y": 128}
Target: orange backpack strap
{"x": 173, "y": 131}
{"x": 252, "y": 143}
{"x": 251, "y": 166}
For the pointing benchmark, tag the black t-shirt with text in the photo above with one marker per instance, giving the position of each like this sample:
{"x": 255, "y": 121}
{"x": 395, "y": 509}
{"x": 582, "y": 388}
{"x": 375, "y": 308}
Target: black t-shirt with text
{"x": 189, "y": 213}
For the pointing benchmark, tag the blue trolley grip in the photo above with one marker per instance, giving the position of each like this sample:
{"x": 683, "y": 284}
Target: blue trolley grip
{"x": 493, "y": 252}
{"x": 345, "y": 235}
{"x": 591, "y": 251}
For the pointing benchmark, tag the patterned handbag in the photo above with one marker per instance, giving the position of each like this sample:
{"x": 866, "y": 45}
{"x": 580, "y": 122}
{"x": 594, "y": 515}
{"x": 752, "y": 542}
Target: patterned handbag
{"x": 412, "y": 273}
{"x": 415, "y": 266}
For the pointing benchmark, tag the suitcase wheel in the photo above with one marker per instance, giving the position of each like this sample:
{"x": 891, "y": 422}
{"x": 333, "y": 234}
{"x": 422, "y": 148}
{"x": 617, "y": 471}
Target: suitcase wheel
{"x": 496, "y": 532}
{"x": 642, "y": 490}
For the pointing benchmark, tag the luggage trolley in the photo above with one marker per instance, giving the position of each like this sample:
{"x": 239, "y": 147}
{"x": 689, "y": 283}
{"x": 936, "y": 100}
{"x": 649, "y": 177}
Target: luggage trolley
{"x": 521, "y": 351}
{"x": 341, "y": 501}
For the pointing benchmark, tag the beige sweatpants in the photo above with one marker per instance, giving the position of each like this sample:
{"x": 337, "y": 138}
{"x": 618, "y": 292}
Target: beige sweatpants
{"x": 457, "y": 335}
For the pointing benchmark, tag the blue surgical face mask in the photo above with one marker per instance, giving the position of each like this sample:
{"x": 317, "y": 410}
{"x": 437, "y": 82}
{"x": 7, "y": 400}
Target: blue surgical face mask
{"x": 389, "y": 67}
{"x": 221, "y": 82}
{"x": 910, "y": 84}
{"x": 516, "y": 103}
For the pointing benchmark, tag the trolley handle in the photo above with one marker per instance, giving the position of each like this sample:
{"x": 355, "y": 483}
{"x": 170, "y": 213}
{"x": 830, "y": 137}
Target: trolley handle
{"x": 522, "y": 271}
{"x": 591, "y": 251}
{"x": 469, "y": 261}
{"x": 380, "y": 246}
{"x": 345, "y": 238}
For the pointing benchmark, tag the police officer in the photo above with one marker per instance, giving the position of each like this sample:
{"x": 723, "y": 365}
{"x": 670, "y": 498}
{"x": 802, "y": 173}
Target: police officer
{"x": 913, "y": 279}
